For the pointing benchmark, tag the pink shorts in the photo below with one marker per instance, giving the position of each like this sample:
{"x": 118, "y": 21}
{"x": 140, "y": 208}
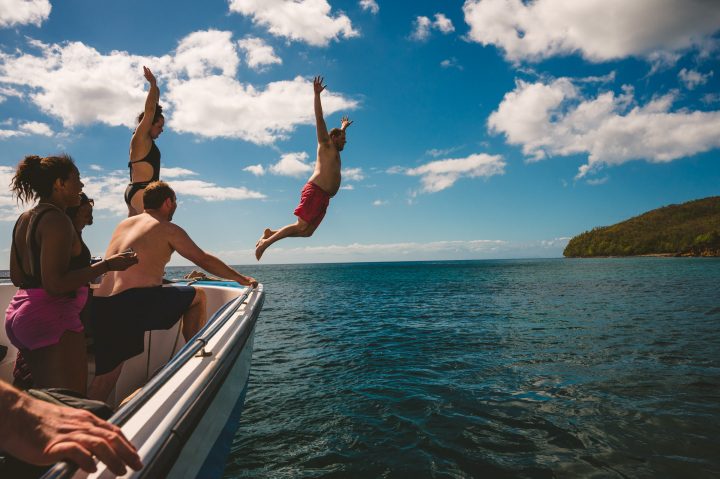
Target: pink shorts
{"x": 313, "y": 204}
{"x": 36, "y": 320}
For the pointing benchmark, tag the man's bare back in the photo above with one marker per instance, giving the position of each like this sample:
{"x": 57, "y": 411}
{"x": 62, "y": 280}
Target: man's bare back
{"x": 149, "y": 239}
{"x": 322, "y": 185}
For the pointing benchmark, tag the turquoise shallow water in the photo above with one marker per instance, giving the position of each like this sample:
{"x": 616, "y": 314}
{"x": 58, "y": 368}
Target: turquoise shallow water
{"x": 519, "y": 368}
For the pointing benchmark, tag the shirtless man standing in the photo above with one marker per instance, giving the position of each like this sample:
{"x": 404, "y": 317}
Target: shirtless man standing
{"x": 126, "y": 305}
{"x": 323, "y": 184}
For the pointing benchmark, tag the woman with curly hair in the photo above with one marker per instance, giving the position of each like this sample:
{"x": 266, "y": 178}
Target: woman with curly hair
{"x": 52, "y": 273}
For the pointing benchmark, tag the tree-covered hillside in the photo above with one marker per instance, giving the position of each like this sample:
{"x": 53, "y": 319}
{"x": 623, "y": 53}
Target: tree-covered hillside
{"x": 691, "y": 229}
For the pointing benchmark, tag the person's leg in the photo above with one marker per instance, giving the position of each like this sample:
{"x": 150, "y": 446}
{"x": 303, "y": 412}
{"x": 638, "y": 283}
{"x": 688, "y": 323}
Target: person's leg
{"x": 136, "y": 203}
{"x": 195, "y": 316}
{"x": 104, "y": 383}
{"x": 62, "y": 365}
{"x": 299, "y": 228}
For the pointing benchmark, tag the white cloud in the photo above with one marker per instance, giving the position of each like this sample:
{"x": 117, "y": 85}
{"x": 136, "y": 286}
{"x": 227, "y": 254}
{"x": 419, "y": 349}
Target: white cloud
{"x": 421, "y": 28}
{"x": 379, "y": 203}
{"x": 423, "y": 25}
{"x": 258, "y": 53}
{"x": 308, "y": 21}
{"x": 556, "y": 119}
{"x": 443, "y": 23}
{"x": 353, "y": 174}
{"x": 292, "y": 164}
{"x": 370, "y": 5}
{"x": 176, "y": 172}
{"x": 96, "y": 167}
{"x": 26, "y": 129}
{"x": 36, "y": 128}
{"x": 435, "y": 152}
{"x": 257, "y": 170}
{"x": 23, "y": 12}
{"x": 597, "y": 29}
{"x": 442, "y": 174}
{"x": 77, "y": 84}
{"x": 9, "y": 208}
{"x": 80, "y": 86}
{"x": 108, "y": 187}
{"x": 451, "y": 63}
{"x": 212, "y": 192}
{"x": 219, "y": 106}
{"x": 598, "y": 181}
{"x": 347, "y": 187}
{"x": 693, "y": 78}
{"x": 711, "y": 98}
{"x": 203, "y": 53}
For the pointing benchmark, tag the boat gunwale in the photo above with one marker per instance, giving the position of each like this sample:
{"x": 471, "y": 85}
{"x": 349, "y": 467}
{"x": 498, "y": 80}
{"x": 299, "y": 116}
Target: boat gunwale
{"x": 186, "y": 353}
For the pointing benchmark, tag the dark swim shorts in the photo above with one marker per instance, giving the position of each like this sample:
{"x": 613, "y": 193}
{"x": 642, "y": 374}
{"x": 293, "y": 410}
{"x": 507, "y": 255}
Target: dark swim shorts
{"x": 119, "y": 322}
{"x": 313, "y": 204}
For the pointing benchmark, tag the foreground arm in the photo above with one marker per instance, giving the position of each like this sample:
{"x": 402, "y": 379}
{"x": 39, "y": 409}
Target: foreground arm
{"x": 42, "y": 433}
{"x": 183, "y": 244}
{"x": 320, "y": 126}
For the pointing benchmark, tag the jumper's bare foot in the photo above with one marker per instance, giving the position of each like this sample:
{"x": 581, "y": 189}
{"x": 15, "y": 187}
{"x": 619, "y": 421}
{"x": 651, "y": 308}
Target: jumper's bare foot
{"x": 266, "y": 234}
{"x": 260, "y": 249}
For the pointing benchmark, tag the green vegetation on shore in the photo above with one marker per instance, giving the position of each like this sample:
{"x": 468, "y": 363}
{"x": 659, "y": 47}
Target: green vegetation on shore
{"x": 688, "y": 229}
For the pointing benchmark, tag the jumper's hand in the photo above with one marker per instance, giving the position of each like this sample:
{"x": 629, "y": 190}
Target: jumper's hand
{"x": 149, "y": 76}
{"x": 345, "y": 122}
{"x": 318, "y": 84}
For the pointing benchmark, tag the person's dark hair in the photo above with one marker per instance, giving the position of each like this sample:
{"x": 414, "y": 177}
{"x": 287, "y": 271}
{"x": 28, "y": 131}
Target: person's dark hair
{"x": 72, "y": 211}
{"x": 335, "y": 132}
{"x": 156, "y": 117}
{"x": 35, "y": 176}
{"x": 155, "y": 194}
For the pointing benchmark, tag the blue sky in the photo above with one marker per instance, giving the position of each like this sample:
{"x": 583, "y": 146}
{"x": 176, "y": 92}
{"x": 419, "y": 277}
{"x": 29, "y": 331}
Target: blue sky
{"x": 483, "y": 128}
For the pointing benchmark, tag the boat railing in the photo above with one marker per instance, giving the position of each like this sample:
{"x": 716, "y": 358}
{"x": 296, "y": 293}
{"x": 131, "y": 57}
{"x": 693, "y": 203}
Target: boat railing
{"x": 196, "y": 345}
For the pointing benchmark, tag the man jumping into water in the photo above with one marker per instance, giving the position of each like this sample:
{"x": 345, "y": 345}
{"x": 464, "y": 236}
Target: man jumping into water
{"x": 322, "y": 185}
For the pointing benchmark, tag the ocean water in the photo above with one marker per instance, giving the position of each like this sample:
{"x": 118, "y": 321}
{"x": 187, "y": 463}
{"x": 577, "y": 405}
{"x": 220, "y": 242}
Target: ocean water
{"x": 517, "y": 368}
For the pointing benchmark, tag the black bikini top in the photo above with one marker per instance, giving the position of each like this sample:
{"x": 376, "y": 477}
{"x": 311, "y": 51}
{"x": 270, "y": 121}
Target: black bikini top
{"x": 153, "y": 157}
{"x": 80, "y": 261}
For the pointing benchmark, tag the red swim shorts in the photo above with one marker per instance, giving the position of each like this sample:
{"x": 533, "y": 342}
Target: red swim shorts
{"x": 313, "y": 204}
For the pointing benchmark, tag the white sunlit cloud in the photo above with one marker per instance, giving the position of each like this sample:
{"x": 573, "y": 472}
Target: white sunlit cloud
{"x": 442, "y": 174}
{"x": 693, "y": 78}
{"x": 176, "y": 172}
{"x": 79, "y": 86}
{"x": 292, "y": 164}
{"x": 370, "y": 6}
{"x": 258, "y": 53}
{"x": 422, "y": 26}
{"x": 24, "y": 12}
{"x": 554, "y": 118}
{"x": 309, "y": 21}
{"x": 26, "y": 129}
{"x": 599, "y": 30}
{"x": 353, "y": 174}
{"x": 451, "y": 63}
{"x": 106, "y": 188}
{"x": 257, "y": 170}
